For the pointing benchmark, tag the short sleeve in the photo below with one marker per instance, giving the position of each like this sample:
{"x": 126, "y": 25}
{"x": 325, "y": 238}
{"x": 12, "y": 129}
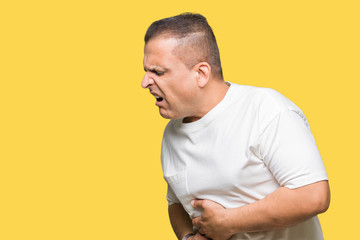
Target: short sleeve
{"x": 289, "y": 150}
{"x": 171, "y": 197}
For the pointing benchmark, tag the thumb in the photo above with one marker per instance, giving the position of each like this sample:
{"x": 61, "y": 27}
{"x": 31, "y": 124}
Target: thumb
{"x": 197, "y": 203}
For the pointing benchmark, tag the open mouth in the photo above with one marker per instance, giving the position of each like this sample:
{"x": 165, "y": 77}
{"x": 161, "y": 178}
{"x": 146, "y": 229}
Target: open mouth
{"x": 159, "y": 99}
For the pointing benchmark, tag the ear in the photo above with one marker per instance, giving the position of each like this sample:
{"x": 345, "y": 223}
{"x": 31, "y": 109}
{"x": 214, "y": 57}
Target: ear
{"x": 203, "y": 71}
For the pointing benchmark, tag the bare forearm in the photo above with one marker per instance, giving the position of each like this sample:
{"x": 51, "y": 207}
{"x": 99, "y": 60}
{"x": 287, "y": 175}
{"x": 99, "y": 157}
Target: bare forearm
{"x": 180, "y": 220}
{"x": 283, "y": 208}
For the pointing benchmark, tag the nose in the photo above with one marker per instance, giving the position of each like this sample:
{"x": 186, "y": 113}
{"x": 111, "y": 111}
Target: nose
{"x": 147, "y": 80}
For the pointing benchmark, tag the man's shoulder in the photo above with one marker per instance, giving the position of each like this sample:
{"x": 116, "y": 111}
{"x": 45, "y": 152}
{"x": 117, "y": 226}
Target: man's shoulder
{"x": 266, "y": 97}
{"x": 255, "y": 91}
{"x": 266, "y": 102}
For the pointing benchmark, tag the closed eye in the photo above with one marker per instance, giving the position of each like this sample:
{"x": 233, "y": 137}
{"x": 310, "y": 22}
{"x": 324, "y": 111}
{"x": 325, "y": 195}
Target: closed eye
{"x": 158, "y": 73}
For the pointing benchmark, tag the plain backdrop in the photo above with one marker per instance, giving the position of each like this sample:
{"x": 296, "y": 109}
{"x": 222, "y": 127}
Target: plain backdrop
{"x": 80, "y": 140}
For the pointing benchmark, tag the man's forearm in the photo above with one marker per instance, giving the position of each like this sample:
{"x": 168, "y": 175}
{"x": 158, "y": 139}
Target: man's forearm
{"x": 283, "y": 208}
{"x": 180, "y": 220}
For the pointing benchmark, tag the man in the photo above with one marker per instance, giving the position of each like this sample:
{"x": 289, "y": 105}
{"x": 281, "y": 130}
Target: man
{"x": 240, "y": 161}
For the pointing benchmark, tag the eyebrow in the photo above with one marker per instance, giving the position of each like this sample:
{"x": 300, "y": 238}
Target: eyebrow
{"x": 155, "y": 69}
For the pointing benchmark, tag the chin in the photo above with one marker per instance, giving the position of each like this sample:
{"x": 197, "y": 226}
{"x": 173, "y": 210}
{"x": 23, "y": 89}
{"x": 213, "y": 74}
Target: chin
{"x": 164, "y": 114}
{"x": 167, "y": 115}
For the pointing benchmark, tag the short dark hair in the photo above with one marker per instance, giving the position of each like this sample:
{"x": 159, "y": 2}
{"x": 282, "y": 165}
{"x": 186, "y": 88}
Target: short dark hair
{"x": 193, "y": 31}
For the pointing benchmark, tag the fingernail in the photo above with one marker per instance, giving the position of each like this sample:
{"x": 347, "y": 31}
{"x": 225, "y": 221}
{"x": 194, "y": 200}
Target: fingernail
{"x": 192, "y": 202}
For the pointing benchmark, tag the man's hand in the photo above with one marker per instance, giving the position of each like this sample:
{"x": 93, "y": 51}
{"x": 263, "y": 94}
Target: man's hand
{"x": 211, "y": 222}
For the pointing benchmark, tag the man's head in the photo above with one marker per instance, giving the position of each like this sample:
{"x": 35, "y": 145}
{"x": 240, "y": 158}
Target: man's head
{"x": 196, "y": 40}
{"x": 182, "y": 64}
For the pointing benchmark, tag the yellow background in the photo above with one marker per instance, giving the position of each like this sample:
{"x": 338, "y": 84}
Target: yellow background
{"x": 80, "y": 140}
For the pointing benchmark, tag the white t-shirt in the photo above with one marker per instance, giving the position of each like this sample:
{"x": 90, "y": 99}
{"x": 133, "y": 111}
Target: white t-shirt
{"x": 254, "y": 141}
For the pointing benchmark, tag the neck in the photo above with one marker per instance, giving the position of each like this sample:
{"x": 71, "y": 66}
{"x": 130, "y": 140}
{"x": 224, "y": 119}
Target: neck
{"x": 211, "y": 95}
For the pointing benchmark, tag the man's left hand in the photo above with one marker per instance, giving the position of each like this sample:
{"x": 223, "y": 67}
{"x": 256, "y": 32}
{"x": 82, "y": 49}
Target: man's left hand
{"x": 211, "y": 223}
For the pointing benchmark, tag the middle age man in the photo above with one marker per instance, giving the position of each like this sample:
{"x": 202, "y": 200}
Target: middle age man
{"x": 240, "y": 161}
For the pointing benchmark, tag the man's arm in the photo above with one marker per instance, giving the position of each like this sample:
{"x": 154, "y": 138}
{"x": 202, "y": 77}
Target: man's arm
{"x": 181, "y": 222}
{"x": 283, "y": 208}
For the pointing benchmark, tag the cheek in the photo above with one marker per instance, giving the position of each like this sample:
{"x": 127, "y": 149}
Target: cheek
{"x": 179, "y": 88}
{"x": 189, "y": 90}
{"x": 186, "y": 85}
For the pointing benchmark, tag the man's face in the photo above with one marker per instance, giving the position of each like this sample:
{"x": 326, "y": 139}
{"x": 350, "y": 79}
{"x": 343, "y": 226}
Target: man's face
{"x": 171, "y": 82}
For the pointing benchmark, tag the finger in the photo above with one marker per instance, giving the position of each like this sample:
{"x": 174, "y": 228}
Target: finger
{"x": 201, "y": 231}
{"x": 198, "y": 236}
{"x": 196, "y": 222}
{"x": 197, "y": 203}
